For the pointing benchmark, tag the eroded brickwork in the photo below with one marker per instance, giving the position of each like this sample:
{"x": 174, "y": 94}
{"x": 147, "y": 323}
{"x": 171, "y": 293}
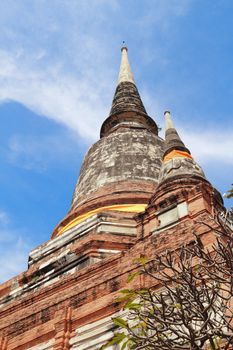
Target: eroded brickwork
{"x": 37, "y": 310}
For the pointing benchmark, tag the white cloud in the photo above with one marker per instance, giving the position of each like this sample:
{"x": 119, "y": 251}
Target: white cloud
{"x": 76, "y": 103}
{"x": 210, "y": 146}
{"x": 49, "y": 62}
{"x": 14, "y": 248}
{"x": 57, "y": 58}
{"x": 13, "y": 256}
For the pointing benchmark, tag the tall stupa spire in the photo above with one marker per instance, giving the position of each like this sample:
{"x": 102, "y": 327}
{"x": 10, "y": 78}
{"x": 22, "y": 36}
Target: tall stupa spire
{"x": 127, "y": 107}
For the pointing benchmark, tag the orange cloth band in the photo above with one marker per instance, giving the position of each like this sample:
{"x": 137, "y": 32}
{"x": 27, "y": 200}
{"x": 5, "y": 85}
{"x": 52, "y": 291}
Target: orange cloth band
{"x": 134, "y": 208}
{"x": 175, "y": 154}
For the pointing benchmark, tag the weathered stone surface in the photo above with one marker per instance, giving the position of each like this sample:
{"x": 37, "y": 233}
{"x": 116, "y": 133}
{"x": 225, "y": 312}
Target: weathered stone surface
{"x": 133, "y": 154}
{"x": 180, "y": 167}
{"x": 128, "y": 120}
{"x": 173, "y": 141}
{"x": 126, "y": 99}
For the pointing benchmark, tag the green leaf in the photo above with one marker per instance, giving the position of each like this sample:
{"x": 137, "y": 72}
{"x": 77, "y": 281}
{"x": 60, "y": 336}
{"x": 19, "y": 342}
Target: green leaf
{"x": 230, "y": 193}
{"x": 125, "y": 291}
{"x": 143, "y": 324}
{"x": 124, "y": 345}
{"x": 131, "y": 343}
{"x": 116, "y": 339}
{"x": 142, "y": 291}
{"x": 124, "y": 298}
{"x": 120, "y": 322}
{"x": 216, "y": 341}
{"x": 132, "y": 276}
{"x": 143, "y": 260}
{"x": 128, "y": 294}
{"x": 132, "y": 306}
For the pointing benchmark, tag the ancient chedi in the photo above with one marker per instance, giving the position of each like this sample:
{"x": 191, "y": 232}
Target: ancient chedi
{"x": 120, "y": 172}
{"x": 136, "y": 195}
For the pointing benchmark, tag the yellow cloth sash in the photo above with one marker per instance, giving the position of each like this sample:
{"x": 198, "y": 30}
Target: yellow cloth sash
{"x": 134, "y": 208}
{"x": 176, "y": 153}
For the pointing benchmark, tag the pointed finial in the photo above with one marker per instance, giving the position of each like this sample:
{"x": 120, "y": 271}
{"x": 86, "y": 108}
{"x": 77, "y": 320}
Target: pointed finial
{"x": 168, "y": 120}
{"x": 124, "y": 47}
{"x": 125, "y": 73}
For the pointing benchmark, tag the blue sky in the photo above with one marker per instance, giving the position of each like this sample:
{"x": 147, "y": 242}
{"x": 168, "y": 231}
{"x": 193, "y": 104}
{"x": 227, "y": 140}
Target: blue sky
{"x": 59, "y": 63}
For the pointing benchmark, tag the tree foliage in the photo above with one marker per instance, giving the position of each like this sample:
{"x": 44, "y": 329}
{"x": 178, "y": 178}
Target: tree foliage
{"x": 230, "y": 192}
{"x": 191, "y": 307}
